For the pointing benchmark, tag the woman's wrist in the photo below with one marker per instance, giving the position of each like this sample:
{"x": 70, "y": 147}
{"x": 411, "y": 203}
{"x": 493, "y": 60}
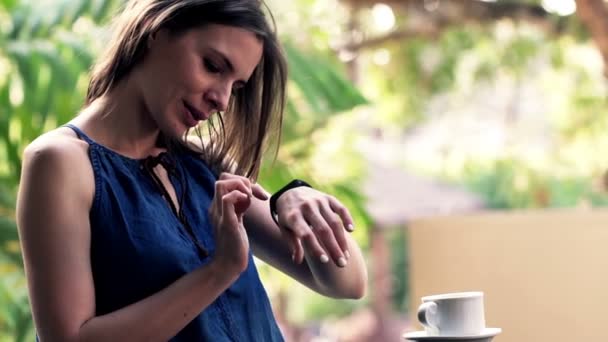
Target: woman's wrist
{"x": 225, "y": 272}
{"x": 275, "y": 197}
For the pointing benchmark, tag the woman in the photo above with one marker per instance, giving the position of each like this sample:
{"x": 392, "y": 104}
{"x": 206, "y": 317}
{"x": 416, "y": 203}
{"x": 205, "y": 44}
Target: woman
{"x": 133, "y": 231}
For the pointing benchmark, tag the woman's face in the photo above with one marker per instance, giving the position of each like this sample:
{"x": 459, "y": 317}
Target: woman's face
{"x": 188, "y": 77}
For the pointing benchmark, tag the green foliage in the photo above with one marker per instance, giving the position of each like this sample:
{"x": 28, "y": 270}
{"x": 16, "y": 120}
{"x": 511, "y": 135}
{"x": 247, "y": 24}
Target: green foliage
{"x": 313, "y": 307}
{"x": 423, "y": 68}
{"x": 41, "y": 60}
{"x": 518, "y": 53}
{"x": 399, "y": 268}
{"x": 512, "y": 184}
{"x": 15, "y": 316}
{"x": 508, "y": 184}
{"x": 453, "y": 43}
{"x": 324, "y": 90}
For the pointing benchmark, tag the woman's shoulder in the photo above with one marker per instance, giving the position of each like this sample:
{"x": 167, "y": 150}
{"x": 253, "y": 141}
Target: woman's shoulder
{"x": 59, "y": 156}
{"x": 58, "y": 145}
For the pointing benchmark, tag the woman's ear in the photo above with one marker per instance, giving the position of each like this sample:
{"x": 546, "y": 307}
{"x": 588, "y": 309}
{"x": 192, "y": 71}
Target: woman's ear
{"x": 151, "y": 39}
{"x": 156, "y": 35}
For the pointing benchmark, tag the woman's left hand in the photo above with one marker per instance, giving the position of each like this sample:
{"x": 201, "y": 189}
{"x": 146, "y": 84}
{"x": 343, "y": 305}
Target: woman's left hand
{"x": 317, "y": 222}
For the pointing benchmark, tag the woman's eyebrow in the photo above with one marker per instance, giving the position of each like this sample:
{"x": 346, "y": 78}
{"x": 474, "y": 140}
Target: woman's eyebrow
{"x": 226, "y": 61}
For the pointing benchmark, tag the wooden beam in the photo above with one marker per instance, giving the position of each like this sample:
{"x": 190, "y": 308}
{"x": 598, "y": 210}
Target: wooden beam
{"x": 594, "y": 15}
{"x": 428, "y": 32}
{"x": 430, "y": 23}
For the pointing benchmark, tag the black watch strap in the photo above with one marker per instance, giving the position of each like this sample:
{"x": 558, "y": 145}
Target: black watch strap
{"x": 273, "y": 199}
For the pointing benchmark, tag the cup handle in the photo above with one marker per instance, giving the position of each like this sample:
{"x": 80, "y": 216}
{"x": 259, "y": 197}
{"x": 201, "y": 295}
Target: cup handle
{"x": 427, "y": 315}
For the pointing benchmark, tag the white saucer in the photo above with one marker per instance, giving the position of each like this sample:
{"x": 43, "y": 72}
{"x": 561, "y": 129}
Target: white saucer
{"x": 485, "y": 336}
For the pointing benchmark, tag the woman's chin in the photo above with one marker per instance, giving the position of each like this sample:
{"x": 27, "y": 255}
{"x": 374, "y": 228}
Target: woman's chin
{"x": 175, "y": 131}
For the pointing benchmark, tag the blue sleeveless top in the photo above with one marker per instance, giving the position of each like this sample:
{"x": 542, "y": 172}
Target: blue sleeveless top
{"x": 139, "y": 246}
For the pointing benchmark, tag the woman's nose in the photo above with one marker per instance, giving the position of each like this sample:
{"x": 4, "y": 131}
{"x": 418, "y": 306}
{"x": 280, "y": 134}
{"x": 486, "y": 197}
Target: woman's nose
{"x": 218, "y": 98}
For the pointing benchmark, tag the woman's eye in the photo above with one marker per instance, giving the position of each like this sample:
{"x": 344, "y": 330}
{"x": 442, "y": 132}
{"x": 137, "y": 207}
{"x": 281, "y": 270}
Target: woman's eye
{"x": 236, "y": 88}
{"x": 210, "y": 66}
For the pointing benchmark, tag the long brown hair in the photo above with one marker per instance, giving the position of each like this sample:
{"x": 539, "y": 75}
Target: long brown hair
{"x": 253, "y": 112}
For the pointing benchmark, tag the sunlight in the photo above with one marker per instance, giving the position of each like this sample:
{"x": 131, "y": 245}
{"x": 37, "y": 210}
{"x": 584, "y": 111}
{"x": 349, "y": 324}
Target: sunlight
{"x": 4, "y": 165}
{"x": 15, "y": 93}
{"x": 560, "y": 7}
{"x": 14, "y": 129}
{"x": 5, "y": 69}
{"x": 431, "y": 5}
{"x": 382, "y": 57}
{"x": 384, "y": 18}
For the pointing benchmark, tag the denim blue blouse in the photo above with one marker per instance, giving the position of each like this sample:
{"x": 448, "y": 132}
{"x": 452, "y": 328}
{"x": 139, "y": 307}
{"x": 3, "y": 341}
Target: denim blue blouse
{"x": 139, "y": 246}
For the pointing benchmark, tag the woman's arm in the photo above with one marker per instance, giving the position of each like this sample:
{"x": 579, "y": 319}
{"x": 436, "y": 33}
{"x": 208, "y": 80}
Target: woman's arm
{"x": 54, "y": 200}
{"x": 279, "y": 247}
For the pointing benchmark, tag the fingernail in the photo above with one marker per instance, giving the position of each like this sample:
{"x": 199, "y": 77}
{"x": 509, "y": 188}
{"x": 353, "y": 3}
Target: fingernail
{"x": 351, "y": 227}
{"x": 347, "y": 254}
{"x": 341, "y": 262}
{"x": 324, "y": 258}
{"x": 293, "y": 257}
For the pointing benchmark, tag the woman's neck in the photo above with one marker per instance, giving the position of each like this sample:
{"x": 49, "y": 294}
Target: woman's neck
{"x": 120, "y": 121}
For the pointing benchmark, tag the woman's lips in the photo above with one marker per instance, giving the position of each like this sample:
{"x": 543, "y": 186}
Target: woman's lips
{"x": 197, "y": 114}
{"x": 189, "y": 117}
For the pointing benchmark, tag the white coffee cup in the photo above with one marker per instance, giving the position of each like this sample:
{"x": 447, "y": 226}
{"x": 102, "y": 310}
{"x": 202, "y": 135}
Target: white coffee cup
{"x": 453, "y": 314}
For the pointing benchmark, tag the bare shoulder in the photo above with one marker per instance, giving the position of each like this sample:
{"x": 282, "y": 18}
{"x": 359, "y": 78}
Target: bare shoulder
{"x": 56, "y": 179}
{"x": 59, "y": 156}
{"x": 61, "y": 142}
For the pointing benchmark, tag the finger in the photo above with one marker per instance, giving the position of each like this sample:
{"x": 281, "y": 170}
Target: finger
{"x": 298, "y": 250}
{"x": 229, "y": 203}
{"x": 326, "y": 236}
{"x": 230, "y": 176}
{"x": 344, "y": 214}
{"x": 334, "y": 222}
{"x": 225, "y": 176}
{"x": 294, "y": 244}
{"x": 301, "y": 230}
{"x": 226, "y": 185}
{"x": 241, "y": 206}
{"x": 259, "y": 192}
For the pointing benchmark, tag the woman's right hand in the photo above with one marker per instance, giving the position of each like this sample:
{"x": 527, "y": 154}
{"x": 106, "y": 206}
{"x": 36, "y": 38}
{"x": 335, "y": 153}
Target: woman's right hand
{"x": 231, "y": 200}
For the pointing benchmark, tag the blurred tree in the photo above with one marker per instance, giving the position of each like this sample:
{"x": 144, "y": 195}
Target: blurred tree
{"x": 422, "y": 58}
{"x": 422, "y": 62}
{"x": 44, "y": 52}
